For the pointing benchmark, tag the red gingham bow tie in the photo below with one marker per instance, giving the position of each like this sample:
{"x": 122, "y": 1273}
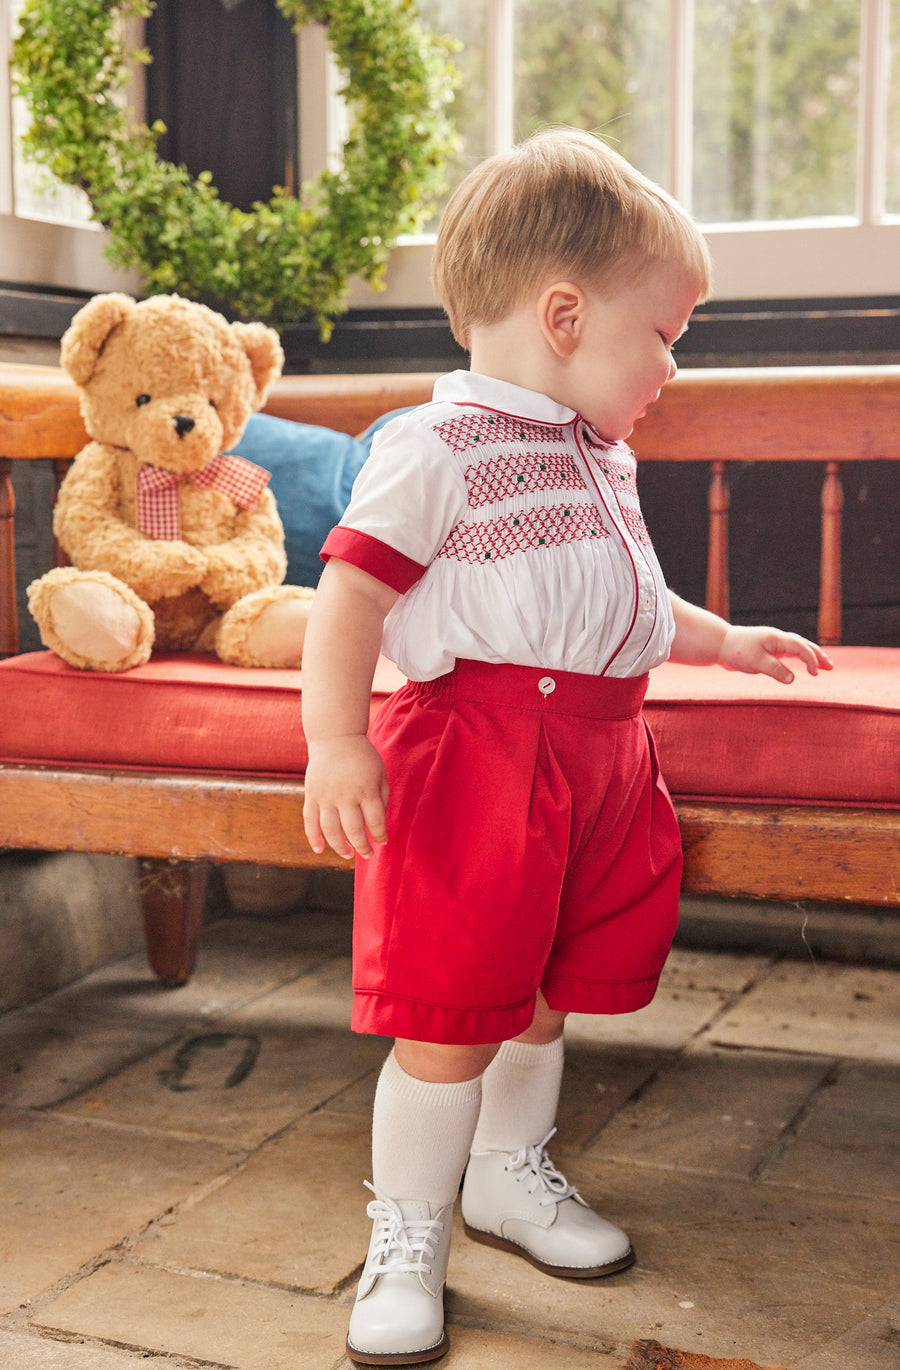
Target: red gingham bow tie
{"x": 158, "y": 509}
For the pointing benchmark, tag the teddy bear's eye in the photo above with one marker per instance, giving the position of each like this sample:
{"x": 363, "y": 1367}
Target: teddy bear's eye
{"x": 142, "y": 399}
{"x": 213, "y": 404}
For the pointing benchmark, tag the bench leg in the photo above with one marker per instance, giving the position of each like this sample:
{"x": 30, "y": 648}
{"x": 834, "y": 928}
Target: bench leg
{"x": 172, "y": 898}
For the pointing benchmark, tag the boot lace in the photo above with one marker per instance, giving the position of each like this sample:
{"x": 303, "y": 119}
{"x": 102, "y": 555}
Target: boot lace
{"x": 540, "y": 1173}
{"x": 400, "y": 1245}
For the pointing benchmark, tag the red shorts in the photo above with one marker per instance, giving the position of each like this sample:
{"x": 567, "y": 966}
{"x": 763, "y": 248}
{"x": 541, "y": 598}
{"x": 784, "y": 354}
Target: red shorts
{"x": 531, "y": 845}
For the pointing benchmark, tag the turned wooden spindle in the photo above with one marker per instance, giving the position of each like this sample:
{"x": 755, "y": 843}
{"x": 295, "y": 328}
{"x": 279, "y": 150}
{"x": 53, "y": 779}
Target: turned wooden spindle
{"x": 718, "y": 501}
{"x": 60, "y": 468}
{"x": 830, "y": 566}
{"x": 9, "y": 620}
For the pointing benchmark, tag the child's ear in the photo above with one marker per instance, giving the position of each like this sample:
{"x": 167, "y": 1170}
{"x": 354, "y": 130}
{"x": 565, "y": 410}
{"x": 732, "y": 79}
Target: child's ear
{"x": 560, "y": 309}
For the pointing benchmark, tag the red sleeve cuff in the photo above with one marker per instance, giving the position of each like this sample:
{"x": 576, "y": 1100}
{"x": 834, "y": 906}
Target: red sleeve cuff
{"x": 377, "y": 558}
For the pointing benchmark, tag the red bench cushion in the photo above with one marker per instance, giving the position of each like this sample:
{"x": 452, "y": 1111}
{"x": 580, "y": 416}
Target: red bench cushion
{"x": 185, "y": 711}
{"x": 834, "y": 738}
{"x": 831, "y": 738}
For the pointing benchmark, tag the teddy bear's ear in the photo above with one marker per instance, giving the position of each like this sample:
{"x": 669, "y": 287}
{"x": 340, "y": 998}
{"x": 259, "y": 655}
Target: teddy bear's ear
{"x": 264, "y": 353}
{"x": 84, "y": 339}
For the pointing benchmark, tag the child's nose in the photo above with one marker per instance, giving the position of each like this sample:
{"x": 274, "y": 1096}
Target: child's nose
{"x": 672, "y": 367}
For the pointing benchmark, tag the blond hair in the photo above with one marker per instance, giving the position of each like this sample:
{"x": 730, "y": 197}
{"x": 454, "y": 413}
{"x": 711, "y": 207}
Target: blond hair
{"x": 561, "y": 204}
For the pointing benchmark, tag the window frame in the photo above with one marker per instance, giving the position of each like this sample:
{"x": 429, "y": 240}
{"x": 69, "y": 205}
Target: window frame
{"x": 796, "y": 259}
{"x": 765, "y": 261}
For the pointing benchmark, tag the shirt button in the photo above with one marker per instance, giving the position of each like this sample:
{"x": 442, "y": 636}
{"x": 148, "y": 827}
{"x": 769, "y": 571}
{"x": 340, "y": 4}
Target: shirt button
{"x": 645, "y": 602}
{"x": 546, "y": 684}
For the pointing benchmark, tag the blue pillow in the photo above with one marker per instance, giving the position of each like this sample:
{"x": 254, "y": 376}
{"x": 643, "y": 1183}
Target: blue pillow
{"x": 313, "y": 470}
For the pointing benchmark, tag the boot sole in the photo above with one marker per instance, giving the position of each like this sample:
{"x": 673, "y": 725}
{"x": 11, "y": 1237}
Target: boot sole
{"x": 563, "y": 1272}
{"x": 439, "y": 1349}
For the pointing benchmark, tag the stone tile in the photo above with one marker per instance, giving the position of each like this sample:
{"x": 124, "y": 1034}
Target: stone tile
{"x": 724, "y": 1267}
{"x": 294, "y": 1216}
{"x": 31, "y": 1351}
{"x": 597, "y": 1080}
{"x": 240, "y": 960}
{"x": 69, "y": 1191}
{"x": 872, "y": 1345}
{"x": 322, "y": 998}
{"x": 45, "y": 1059}
{"x": 669, "y": 1021}
{"x": 715, "y": 1111}
{"x": 849, "y": 1140}
{"x": 476, "y": 1349}
{"x": 230, "y": 1082}
{"x": 222, "y": 1321}
{"x": 821, "y": 1007}
{"x": 221, "y": 1256}
{"x": 727, "y": 972}
{"x": 264, "y": 1329}
{"x": 357, "y": 1101}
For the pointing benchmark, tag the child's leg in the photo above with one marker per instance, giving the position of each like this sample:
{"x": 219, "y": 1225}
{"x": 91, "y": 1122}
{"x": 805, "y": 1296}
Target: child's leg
{"x": 514, "y": 1197}
{"x": 422, "y": 1130}
{"x": 423, "y": 1124}
{"x": 520, "y": 1088}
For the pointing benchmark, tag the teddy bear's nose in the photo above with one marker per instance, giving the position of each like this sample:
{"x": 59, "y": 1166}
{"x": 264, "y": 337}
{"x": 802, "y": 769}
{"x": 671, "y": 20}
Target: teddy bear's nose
{"x": 183, "y": 424}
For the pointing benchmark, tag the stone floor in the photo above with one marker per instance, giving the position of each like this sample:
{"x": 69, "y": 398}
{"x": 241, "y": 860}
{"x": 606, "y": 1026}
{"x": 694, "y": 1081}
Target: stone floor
{"x": 181, "y": 1171}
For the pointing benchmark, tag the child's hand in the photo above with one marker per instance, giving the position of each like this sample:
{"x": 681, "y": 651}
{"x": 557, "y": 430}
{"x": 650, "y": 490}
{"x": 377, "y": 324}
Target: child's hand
{"x": 346, "y": 796}
{"x": 759, "y": 651}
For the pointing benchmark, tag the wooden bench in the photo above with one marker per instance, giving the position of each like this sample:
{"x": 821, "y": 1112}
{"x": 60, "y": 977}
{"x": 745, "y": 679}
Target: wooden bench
{"x": 176, "y": 823}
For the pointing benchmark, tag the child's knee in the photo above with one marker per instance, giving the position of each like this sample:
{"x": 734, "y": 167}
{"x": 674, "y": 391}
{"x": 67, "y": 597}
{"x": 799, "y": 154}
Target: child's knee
{"x": 546, "y": 1025}
{"x": 442, "y": 1064}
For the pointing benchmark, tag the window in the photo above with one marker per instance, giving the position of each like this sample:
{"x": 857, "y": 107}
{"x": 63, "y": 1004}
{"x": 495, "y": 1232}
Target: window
{"x": 46, "y": 237}
{"x": 777, "y": 122}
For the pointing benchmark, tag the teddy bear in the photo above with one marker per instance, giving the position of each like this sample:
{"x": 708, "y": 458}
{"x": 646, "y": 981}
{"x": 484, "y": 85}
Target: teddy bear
{"x": 174, "y": 544}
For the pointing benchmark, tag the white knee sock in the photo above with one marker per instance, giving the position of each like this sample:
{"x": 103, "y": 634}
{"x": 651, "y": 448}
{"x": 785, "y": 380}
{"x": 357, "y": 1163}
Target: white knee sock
{"x": 519, "y": 1096}
{"x": 421, "y": 1135}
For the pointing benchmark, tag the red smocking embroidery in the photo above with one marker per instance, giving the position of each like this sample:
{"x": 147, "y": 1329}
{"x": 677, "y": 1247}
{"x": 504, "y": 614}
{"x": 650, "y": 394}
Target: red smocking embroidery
{"x": 500, "y": 538}
{"x": 519, "y": 472}
{"x": 621, "y": 475}
{"x": 634, "y": 522}
{"x": 473, "y": 429}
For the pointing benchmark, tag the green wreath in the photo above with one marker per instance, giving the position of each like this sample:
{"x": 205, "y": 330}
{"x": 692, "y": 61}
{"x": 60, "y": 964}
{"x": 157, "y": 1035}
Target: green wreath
{"x": 289, "y": 258}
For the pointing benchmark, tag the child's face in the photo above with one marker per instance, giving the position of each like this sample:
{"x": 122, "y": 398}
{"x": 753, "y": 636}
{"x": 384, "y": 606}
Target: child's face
{"x": 623, "y": 358}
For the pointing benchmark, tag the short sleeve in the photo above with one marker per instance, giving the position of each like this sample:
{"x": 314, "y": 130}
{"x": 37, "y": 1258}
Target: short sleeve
{"x": 409, "y": 494}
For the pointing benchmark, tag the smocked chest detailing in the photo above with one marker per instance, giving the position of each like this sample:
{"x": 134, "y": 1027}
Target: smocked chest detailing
{"x": 526, "y": 487}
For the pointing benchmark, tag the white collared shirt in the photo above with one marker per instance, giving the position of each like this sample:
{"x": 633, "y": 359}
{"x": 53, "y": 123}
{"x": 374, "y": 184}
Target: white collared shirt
{"x": 513, "y": 533}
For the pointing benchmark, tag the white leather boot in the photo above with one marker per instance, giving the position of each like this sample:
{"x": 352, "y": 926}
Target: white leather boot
{"x": 521, "y": 1203}
{"x": 398, "y": 1317}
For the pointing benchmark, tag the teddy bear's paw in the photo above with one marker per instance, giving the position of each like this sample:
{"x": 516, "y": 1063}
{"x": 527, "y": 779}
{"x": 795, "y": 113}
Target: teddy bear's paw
{"x": 91, "y": 620}
{"x": 266, "y": 628}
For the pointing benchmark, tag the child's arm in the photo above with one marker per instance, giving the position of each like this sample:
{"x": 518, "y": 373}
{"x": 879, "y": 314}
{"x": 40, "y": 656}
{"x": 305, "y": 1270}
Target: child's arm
{"x": 346, "y": 786}
{"x": 704, "y": 639}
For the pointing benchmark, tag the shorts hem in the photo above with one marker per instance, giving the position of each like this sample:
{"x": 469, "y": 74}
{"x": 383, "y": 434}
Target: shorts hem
{"x": 388, "y": 1015}
{"x": 585, "y": 996}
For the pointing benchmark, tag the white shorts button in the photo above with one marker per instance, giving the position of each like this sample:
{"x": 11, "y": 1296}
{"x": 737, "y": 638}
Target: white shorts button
{"x": 546, "y": 684}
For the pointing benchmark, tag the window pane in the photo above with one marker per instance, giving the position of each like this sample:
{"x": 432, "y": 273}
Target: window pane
{"x": 598, "y": 65}
{"x": 893, "y": 128}
{"x": 37, "y": 194}
{"x": 776, "y": 87}
{"x": 465, "y": 21}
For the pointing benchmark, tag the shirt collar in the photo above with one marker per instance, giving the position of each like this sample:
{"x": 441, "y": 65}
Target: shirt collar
{"x": 472, "y": 388}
